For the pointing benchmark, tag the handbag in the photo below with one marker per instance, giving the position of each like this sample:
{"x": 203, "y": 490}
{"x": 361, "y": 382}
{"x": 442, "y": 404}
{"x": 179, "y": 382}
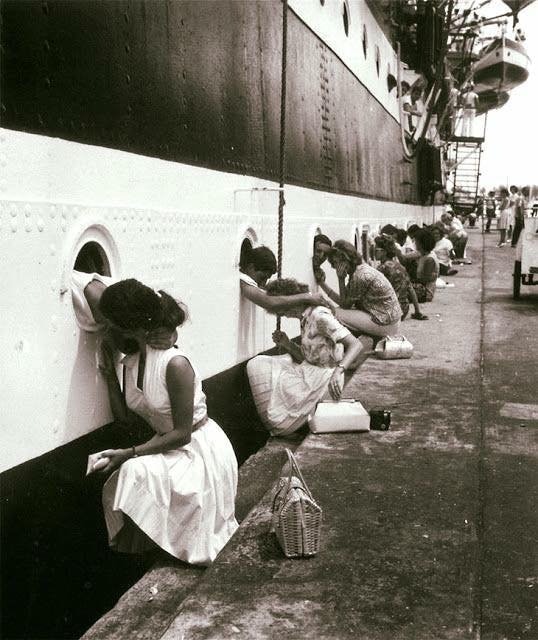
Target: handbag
{"x": 344, "y": 415}
{"x": 393, "y": 347}
{"x": 296, "y": 518}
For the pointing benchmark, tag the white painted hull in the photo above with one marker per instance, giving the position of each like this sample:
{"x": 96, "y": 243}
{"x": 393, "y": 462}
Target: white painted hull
{"x": 157, "y": 224}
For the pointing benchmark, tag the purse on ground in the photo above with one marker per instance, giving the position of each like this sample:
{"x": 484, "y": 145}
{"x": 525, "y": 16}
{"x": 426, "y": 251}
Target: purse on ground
{"x": 296, "y": 518}
{"x": 344, "y": 415}
{"x": 393, "y": 348}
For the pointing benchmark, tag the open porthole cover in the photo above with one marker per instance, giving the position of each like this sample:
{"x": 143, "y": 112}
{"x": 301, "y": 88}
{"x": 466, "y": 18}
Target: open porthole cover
{"x": 90, "y": 249}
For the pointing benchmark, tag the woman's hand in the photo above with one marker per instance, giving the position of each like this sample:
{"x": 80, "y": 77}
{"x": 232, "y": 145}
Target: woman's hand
{"x": 162, "y": 338}
{"x": 319, "y": 300}
{"x": 280, "y": 338}
{"x": 341, "y": 270}
{"x": 336, "y": 383}
{"x": 116, "y": 458}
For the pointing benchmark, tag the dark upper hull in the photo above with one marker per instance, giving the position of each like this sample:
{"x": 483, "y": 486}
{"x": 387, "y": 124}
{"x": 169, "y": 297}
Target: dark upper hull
{"x": 199, "y": 83}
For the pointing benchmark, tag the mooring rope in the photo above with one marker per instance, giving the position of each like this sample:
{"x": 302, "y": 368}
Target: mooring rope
{"x": 281, "y": 200}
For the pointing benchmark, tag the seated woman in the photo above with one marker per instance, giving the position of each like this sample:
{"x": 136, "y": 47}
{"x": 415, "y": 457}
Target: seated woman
{"x": 322, "y": 246}
{"x": 256, "y": 267}
{"x": 368, "y": 302}
{"x": 427, "y": 266}
{"x": 456, "y": 234}
{"x": 444, "y": 250}
{"x": 398, "y": 277}
{"x": 287, "y": 388}
{"x": 177, "y": 490}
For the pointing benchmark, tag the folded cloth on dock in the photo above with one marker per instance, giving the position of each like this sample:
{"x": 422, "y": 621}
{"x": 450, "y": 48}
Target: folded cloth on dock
{"x": 345, "y": 415}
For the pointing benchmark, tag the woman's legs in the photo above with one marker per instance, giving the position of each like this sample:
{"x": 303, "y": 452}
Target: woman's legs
{"x": 502, "y": 239}
{"x": 422, "y": 292}
{"x": 518, "y": 228}
{"x": 361, "y": 322}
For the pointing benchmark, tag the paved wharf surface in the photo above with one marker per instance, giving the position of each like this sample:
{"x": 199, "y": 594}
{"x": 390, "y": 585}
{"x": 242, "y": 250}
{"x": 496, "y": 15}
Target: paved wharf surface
{"x": 429, "y": 529}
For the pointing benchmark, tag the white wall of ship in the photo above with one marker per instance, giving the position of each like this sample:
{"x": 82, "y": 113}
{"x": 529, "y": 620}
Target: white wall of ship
{"x": 172, "y": 226}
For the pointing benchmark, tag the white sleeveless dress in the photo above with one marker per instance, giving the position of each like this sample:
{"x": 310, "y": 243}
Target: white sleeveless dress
{"x": 184, "y": 499}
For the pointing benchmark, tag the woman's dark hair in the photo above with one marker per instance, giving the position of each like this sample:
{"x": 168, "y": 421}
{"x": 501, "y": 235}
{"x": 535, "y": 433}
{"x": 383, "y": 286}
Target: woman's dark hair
{"x": 285, "y": 287}
{"x": 387, "y": 244}
{"x": 424, "y": 239}
{"x": 412, "y": 229}
{"x": 320, "y": 237}
{"x": 346, "y": 250}
{"x": 131, "y": 305}
{"x": 262, "y": 258}
{"x": 401, "y": 236}
{"x": 389, "y": 230}
{"x": 504, "y": 191}
{"x": 438, "y": 226}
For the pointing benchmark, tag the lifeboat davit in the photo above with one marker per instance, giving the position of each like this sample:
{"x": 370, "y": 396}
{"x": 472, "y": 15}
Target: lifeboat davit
{"x": 503, "y": 65}
{"x": 491, "y": 100}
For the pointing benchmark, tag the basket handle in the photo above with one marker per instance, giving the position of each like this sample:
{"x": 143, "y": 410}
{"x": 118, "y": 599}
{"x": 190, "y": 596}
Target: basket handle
{"x": 295, "y": 467}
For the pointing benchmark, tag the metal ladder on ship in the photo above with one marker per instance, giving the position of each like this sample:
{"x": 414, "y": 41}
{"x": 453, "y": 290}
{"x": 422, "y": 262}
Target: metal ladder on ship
{"x": 467, "y": 154}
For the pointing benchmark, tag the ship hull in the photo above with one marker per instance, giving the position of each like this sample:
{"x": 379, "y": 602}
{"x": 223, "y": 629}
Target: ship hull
{"x": 153, "y": 131}
{"x": 199, "y": 83}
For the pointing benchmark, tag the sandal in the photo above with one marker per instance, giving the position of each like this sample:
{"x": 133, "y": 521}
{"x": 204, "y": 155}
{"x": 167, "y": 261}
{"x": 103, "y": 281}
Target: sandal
{"x": 419, "y": 316}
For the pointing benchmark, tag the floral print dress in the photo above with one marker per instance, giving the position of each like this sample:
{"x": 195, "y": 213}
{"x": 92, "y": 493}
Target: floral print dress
{"x": 286, "y": 392}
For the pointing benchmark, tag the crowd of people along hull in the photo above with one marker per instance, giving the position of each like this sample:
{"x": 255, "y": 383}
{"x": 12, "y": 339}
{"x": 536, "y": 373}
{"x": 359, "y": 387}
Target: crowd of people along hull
{"x": 165, "y": 141}
{"x": 147, "y": 135}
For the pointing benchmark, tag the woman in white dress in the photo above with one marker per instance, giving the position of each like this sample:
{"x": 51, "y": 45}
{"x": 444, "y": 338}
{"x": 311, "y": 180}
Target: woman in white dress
{"x": 177, "y": 490}
{"x": 287, "y": 388}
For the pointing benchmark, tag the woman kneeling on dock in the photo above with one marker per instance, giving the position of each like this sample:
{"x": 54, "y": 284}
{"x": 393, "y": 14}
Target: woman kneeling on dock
{"x": 368, "y": 302}
{"x": 177, "y": 490}
{"x": 287, "y": 388}
{"x": 427, "y": 270}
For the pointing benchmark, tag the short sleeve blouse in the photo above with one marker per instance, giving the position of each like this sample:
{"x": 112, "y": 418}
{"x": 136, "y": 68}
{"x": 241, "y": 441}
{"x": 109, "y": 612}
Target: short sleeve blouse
{"x": 83, "y": 313}
{"x": 370, "y": 291}
{"x": 321, "y": 336}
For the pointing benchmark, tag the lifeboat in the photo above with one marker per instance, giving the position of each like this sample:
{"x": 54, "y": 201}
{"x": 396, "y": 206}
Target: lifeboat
{"x": 503, "y": 65}
{"x": 491, "y": 100}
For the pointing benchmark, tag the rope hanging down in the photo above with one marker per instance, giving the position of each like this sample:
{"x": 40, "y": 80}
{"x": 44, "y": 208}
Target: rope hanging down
{"x": 281, "y": 200}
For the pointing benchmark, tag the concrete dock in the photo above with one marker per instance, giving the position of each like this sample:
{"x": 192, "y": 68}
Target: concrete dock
{"x": 429, "y": 529}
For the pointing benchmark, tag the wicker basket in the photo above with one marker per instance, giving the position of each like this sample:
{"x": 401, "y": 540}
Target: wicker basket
{"x": 296, "y": 515}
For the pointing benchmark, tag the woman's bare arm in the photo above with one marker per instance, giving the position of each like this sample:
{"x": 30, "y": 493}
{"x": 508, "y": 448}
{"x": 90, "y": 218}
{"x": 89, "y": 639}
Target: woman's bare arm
{"x": 278, "y": 303}
{"x": 330, "y": 292}
{"x": 180, "y": 384}
{"x": 93, "y": 292}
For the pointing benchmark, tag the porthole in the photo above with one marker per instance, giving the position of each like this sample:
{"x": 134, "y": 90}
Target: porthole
{"x": 364, "y": 41}
{"x": 89, "y": 250}
{"x": 377, "y": 60}
{"x": 92, "y": 258}
{"x": 357, "y": 239}
{"x": 321, "y": 246}
{"x": 246, "y": 248}
{"x": 364, "y": 243}
{"x": 391, "y": 79}
{"x": 345, "y": 18}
